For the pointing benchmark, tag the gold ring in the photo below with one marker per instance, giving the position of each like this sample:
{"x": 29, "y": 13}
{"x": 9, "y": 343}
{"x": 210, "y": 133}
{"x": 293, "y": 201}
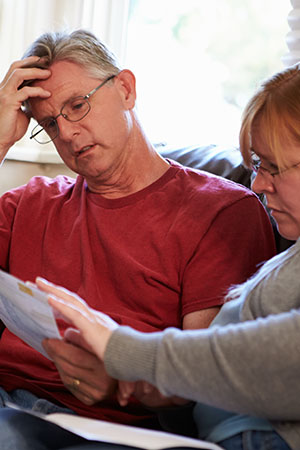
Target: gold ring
{"x": 76, "y": 383}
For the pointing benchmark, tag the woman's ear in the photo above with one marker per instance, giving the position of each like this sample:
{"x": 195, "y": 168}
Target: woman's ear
{"x": 125, "y": 83}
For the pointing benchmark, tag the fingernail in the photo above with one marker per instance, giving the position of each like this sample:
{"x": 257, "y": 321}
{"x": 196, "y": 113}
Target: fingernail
{"x": 43, "y": 280}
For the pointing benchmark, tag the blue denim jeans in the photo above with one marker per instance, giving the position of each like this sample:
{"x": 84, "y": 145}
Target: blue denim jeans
{"x": 27, "y": 400}
{"x": 255, "y": 440}
{"x": 22, "y": 431}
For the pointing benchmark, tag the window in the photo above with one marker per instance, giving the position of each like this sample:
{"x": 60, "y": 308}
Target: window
{"x": 197, "y": 62}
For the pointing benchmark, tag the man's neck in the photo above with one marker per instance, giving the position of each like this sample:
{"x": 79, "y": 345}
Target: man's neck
{"x": 139, "y": 170}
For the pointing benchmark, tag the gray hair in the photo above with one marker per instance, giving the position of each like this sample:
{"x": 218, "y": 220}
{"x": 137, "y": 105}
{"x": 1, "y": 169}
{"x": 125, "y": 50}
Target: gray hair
{"x": 80, "y": 46}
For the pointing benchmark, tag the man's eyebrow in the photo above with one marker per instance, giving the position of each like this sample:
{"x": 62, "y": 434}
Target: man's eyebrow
{"x": 71, "y": 97}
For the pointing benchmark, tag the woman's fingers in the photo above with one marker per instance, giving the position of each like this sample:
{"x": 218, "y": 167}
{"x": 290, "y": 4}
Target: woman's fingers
{"x": 61, "y": 293}
{"x": 94, "y": 326}
{"x": 125, "y": 391}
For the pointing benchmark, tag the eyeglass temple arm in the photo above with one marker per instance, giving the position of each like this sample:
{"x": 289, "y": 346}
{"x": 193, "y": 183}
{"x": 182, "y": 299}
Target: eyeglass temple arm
{"x": 35, "y": 134}
{"x": 98, "y": 87}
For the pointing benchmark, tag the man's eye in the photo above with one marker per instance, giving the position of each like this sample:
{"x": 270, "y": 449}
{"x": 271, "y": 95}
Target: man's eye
{"x": 77, "y": 105}
{"x": 49, "y": 124}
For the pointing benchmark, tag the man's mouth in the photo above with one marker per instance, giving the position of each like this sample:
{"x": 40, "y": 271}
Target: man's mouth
{"x": 84, "y": 149}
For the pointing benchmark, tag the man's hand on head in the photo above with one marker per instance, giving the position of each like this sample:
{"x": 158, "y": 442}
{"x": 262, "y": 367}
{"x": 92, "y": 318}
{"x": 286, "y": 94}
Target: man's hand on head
{"x": 13, "y": 93}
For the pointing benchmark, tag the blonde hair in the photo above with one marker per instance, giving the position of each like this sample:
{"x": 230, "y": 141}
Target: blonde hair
{"x": 275, "y": 109}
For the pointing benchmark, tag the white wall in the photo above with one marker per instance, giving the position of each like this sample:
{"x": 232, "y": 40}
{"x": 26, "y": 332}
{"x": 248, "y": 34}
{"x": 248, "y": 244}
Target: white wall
{"x": 16, "y": 173}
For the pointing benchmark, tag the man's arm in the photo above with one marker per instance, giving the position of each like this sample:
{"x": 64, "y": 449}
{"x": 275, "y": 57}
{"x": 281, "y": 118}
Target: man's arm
{"x": 13, "y": 120}
{"x": 200, "y": 319}
{"x": 80, "y": 370}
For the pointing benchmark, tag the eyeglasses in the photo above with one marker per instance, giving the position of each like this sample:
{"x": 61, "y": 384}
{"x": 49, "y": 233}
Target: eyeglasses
{"x": 256, "y": 166}
{"x": 73, "y": 110}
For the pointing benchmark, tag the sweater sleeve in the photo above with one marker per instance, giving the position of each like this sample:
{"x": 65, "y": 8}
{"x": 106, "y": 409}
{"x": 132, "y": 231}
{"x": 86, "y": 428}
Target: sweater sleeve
{"x": 250, "y": 367}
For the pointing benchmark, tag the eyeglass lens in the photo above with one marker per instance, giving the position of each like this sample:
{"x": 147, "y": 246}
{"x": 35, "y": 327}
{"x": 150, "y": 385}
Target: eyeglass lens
{"x": 73, "y": 111}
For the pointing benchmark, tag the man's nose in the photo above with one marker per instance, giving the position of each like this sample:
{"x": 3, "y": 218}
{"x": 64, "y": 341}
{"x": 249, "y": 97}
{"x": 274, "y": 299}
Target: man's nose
{"x": 67, "y": 129}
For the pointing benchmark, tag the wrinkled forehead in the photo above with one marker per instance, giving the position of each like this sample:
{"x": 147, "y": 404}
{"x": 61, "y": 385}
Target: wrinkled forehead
{"x": 63, "y": 72}
{"x": 67, "y": 80}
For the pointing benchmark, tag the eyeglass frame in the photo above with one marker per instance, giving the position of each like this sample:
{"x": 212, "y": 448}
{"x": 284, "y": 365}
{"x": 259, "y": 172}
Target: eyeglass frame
{"x": 84, "y": 97}
{"x": 256, "y": 166}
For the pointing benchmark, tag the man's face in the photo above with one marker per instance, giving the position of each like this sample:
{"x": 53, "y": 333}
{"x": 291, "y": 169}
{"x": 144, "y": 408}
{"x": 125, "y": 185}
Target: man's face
{"x": 97, "y": 144}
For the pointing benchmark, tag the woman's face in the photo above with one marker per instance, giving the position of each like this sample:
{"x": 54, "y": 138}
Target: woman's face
{"x": 282, "y": 191}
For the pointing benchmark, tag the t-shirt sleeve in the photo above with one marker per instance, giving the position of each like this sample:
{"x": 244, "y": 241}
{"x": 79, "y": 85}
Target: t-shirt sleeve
{"x": 238, "y": 240}
{"x": 8, "y": 206}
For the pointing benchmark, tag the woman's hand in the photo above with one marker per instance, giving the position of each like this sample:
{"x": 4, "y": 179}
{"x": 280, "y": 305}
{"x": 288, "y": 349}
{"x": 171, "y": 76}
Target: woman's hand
{"x": 95, "y": 327}
{"x": 13, "y": 120}
{"x": 147, "y": 394}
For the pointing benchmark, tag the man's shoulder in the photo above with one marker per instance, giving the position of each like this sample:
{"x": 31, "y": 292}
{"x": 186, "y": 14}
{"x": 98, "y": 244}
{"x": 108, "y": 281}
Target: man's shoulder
{"x": 210, "y": 184}
{"x": 60, "y": 183}
{"x": 41, "y": 187}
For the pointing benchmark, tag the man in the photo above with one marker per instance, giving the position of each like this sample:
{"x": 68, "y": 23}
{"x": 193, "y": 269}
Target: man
{"x": 142, "y": 239}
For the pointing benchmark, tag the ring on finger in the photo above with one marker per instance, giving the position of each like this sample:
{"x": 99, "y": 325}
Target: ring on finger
{"x": 75, "y": 383}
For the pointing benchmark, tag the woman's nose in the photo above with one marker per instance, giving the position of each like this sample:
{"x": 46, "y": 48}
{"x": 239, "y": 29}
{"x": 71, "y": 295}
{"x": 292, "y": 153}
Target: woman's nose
{"x": 262, "y": 183}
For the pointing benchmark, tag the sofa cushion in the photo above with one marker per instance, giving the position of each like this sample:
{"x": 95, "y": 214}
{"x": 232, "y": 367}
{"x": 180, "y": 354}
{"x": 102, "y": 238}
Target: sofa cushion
{"x": 224, "y": 161}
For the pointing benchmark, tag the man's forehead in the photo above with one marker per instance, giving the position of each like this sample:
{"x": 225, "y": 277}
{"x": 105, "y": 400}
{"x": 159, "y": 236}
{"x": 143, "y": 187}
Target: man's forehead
{"x": 63, "y": 72}
{"x": 67, "y": 80}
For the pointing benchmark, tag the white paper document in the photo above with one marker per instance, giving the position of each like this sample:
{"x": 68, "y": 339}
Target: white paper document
{"x": 25, "y": 312}
{"x": 113, "y": 433}
{"x": 100, "y": 430}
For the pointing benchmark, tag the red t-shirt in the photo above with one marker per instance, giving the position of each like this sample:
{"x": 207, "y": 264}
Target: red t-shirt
{"x": 147, "y": 259}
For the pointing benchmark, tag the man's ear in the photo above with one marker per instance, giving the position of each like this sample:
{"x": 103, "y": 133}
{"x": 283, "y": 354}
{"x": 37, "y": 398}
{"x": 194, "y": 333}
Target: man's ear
{"x": 125, "y": 83}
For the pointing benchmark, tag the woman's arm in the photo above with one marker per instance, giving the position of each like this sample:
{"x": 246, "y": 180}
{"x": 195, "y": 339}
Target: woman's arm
{"x": 250, "y": 367}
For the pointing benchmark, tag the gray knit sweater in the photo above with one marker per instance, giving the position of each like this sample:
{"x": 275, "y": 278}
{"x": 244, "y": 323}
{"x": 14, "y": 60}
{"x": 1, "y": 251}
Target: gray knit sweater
{"x": 251, "y": 367}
